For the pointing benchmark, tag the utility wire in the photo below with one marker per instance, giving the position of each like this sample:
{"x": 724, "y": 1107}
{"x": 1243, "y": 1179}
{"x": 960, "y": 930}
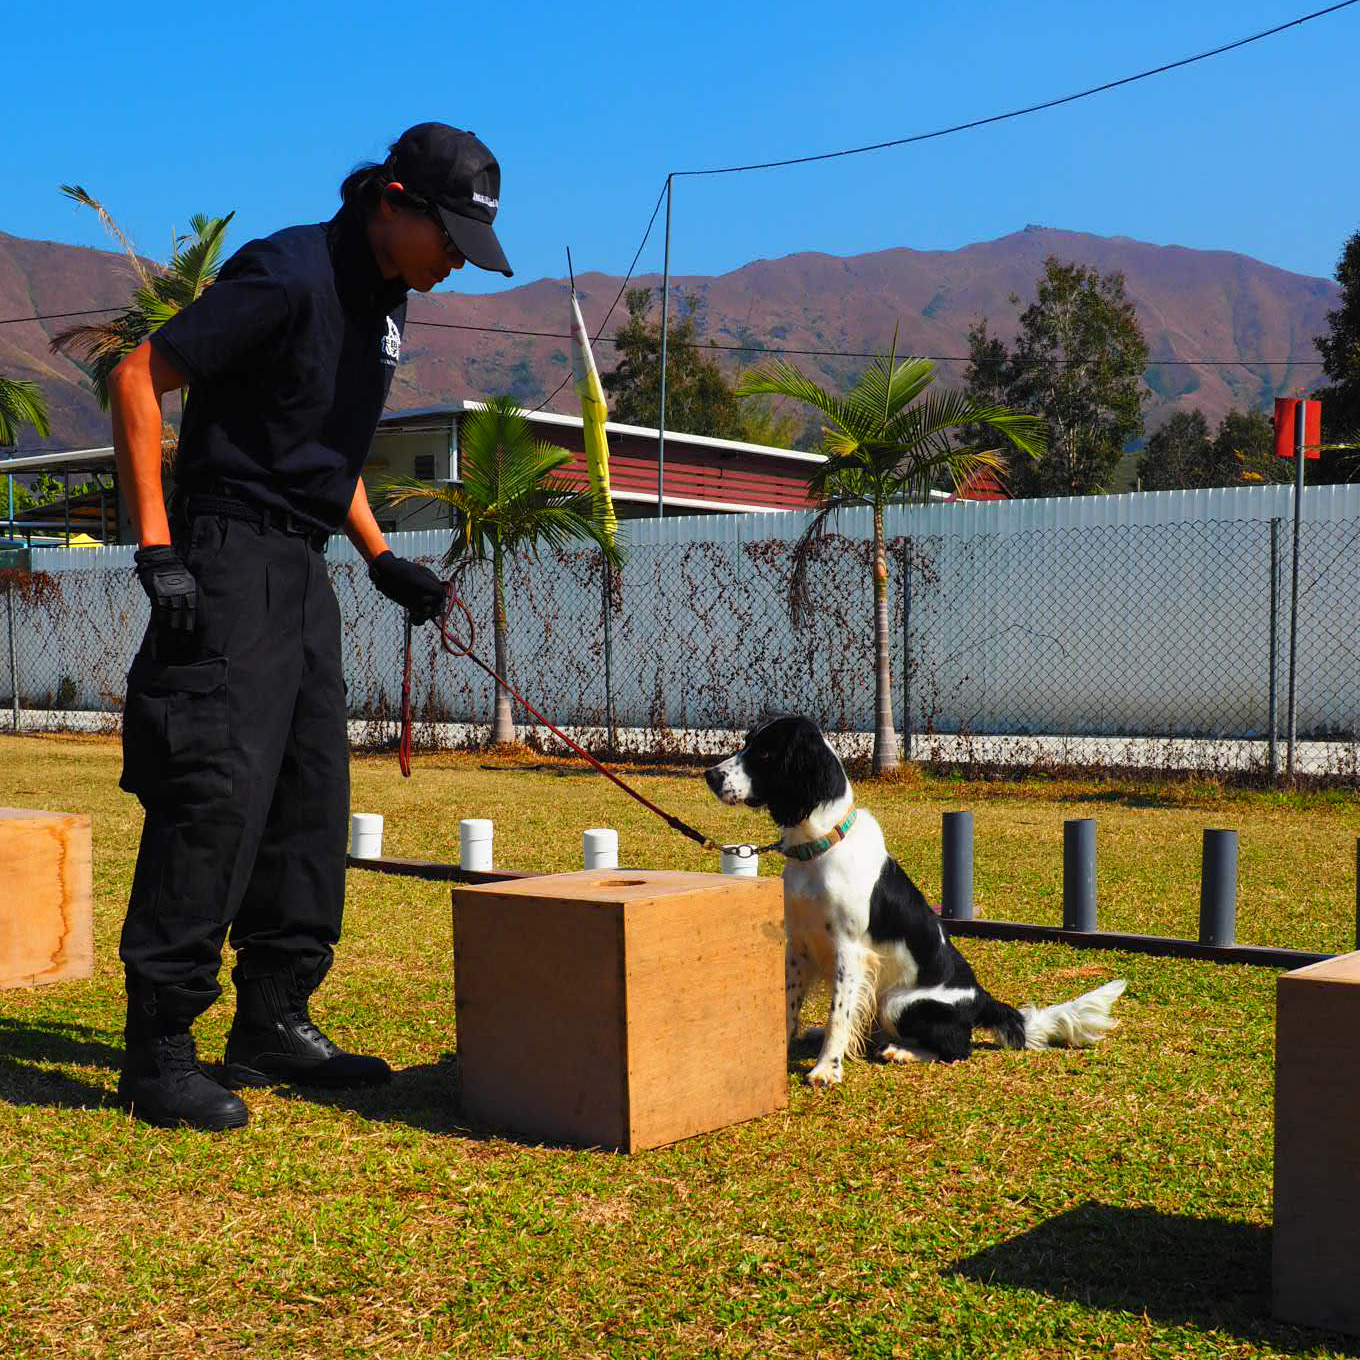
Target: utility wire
{"x": 1031, "y": 108}
{"x": 833, "y": 353}
{"x": 856, "y": 151}
{"x": 637, "y": 255}
{"x": 600, "y": 338}
{"x": 57, "y": 316}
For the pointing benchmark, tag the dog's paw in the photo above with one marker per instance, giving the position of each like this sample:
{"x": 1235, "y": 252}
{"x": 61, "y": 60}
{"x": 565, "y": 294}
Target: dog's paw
{"x": 894, "y": 1053}
{"x": 826, "y": 1073}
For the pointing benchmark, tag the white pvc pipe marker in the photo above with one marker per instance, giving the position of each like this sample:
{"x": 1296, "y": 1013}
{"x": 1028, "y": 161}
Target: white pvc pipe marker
{"x": 741, "y": 865}
{"x": 365, "y": 835}
{"x": 600, "y": 848}
{"x": 474, "y": 844}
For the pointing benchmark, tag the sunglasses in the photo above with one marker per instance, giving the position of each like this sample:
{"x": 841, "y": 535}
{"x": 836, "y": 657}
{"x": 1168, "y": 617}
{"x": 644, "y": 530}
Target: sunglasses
{"x": 430, "y": 211}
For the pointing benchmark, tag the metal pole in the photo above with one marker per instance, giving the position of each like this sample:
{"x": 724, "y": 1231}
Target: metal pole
{"x": 956, "y": 882}
{"x": 608, "y": 659}
{"x": 1079, "y": 875}
{"x": 906, "y": 646}
{"x": 1218, "y": 888}
{"x": 1299, "y": 411}
{"x": 13, "y": 658}
{"x": 66, "y": 478}
{"x": 1274, "y": 647}
{"x": 665, "y": 327}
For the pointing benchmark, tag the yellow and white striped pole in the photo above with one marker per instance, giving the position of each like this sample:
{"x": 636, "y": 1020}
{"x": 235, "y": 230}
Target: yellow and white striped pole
{"x": 594, "y": 412}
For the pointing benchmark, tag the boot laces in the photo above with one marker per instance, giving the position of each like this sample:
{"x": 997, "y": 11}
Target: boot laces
{"x": 179, "y": 1056}
{"x": 306, "y": 1026}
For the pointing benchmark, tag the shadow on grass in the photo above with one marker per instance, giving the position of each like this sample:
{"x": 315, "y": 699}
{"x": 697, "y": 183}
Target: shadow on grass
{"x": 25, "y": 1049}
{"x": 422, "y": 1097}
{"x": 1207, "y": 1273}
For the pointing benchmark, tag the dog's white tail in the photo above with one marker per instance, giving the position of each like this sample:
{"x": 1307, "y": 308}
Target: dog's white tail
{"x": 1074, "y": 1024}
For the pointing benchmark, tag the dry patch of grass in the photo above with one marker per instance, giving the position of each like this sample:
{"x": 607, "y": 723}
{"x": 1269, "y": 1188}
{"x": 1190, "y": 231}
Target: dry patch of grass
{"x": 1109, "y": 1202}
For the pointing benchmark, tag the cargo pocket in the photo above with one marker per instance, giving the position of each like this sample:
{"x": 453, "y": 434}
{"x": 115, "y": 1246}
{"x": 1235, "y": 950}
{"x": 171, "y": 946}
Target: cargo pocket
{"x": 176, "y": 732}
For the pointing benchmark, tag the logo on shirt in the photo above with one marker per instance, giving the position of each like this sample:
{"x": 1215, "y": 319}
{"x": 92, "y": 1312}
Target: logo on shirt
{"x": 391, "y": 344}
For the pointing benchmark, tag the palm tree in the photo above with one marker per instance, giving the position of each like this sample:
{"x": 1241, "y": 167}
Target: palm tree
{"x": 21, "y": 403}
{"x": 508, "y": 498}
{"x": 888, "y": 440}
{"x": 159, "y": 293}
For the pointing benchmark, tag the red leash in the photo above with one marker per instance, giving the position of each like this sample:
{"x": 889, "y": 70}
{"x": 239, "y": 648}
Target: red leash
{"x": 456, "y": 647}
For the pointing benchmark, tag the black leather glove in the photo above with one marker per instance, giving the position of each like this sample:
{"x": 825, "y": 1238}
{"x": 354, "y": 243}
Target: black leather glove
{"x": 170, "y": 587}
{"x": 417, "y": 589}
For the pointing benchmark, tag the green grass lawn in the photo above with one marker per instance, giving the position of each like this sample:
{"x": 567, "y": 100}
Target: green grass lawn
{"x": 1109, "y": 1202}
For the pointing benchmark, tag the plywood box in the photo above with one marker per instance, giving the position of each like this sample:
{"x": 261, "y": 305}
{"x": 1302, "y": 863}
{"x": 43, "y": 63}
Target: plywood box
{"x": 1317, "y": 1145}
{"x": 46, "y": 897}
{"x": 620, "y": 1008}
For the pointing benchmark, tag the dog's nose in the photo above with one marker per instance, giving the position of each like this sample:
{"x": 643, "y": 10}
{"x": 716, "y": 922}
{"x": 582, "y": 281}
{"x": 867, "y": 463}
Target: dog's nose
{"x": 713, "y": 778}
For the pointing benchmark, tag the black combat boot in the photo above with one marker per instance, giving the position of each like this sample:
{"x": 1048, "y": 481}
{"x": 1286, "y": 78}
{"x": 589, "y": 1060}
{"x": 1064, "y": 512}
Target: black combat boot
{"x": 273, "y": 1038}
{"x": 162, "y": 1082}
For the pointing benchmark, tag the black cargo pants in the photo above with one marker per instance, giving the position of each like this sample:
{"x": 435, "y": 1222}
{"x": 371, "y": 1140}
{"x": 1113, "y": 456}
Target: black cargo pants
{"x": 235, "y": 743}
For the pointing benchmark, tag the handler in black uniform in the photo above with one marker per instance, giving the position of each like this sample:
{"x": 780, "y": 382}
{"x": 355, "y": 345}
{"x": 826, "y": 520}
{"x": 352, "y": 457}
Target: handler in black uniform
{"x": 234, "y": 734}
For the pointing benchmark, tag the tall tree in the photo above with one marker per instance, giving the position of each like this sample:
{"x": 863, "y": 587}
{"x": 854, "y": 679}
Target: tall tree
{"x": 158, "y": 293}
{"x": 1078, "y": 362}
{"x": 1243, "y": 451}
{"x": 1182, "y": 454}
{"x": 509, "y": 497}
{"x": 699, "y": 399}
{"x": 889, "y": 439}
{"x": 1340, "y": 350}
{"x": 1176, "y": 453}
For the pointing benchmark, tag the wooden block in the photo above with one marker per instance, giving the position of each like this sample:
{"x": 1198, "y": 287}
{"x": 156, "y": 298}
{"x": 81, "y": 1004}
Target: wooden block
{"x": 46, "y": 897}
{"x": 1317, "y": 1145}
{"x": 620, "y": 1008}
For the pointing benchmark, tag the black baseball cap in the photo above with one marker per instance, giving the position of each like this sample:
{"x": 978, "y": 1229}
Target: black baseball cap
{"x": 461, "y": 179}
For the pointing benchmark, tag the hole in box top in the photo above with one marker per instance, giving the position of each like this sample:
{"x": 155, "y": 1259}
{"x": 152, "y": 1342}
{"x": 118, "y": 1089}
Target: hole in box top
{"x": 622, "y": 883}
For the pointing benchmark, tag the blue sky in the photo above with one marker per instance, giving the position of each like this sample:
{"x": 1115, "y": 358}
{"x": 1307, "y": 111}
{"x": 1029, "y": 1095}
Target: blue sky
{"x": 164, "y": 111}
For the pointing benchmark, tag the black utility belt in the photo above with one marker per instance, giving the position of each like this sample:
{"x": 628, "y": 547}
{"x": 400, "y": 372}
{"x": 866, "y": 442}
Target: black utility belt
{"x": 262, "y": 517}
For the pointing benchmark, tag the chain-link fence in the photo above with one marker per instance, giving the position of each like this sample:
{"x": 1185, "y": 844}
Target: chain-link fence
{"x": 1100, "y": 645}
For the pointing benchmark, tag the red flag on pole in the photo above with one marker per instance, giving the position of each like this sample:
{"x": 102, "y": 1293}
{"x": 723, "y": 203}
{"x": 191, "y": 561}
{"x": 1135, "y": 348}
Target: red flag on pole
{"x": 1284, "y": 427}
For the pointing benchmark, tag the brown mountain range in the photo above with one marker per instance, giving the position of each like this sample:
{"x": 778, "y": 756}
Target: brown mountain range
{"x": 1223, "y": 329}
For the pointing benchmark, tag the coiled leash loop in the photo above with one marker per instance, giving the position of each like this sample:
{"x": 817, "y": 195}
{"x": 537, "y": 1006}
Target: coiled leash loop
{"x": 462, "y": 647}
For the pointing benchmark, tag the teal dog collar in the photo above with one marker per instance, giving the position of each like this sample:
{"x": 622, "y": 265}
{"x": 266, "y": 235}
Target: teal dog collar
{"x": 811, "y": 849}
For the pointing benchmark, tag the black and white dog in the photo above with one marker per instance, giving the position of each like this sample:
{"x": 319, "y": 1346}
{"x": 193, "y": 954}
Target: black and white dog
{"x": 854, "y": 918}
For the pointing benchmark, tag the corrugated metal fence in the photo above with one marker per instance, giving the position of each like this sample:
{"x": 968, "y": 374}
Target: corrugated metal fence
{"x": 1142, "y": 615}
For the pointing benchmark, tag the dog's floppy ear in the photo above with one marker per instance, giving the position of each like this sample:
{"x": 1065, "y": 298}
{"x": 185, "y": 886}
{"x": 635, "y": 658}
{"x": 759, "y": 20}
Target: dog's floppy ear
{"x": 762, "y": 722}
{"x": 806, "y": 772}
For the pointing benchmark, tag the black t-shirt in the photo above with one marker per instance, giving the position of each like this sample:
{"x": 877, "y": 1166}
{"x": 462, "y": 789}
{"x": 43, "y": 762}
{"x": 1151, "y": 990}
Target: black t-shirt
{"x": 289, "y": 356}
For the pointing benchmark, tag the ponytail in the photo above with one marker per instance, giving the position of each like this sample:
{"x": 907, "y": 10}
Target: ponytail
{"x": 364, "y": 185}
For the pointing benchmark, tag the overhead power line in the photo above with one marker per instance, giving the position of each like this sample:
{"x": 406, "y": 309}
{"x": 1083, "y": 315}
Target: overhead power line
{"x": 637, "y": 255}
{"x": 825, "y": 353}
{"x": 58, "y": 316}
{"x": 1028, "y": 109}
{"x": 776, "y": 350}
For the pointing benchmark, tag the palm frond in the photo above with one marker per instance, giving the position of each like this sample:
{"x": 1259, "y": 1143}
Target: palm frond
{"x": 887, "y": 386}
{"x": 800, "y": 595}
{"x": 21, "y": 403}
{"x": 81, "y": 195}
{"x": 943, "y": 413}
{"x": 195, "y": 267}
{"x": 780, "y": 379}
